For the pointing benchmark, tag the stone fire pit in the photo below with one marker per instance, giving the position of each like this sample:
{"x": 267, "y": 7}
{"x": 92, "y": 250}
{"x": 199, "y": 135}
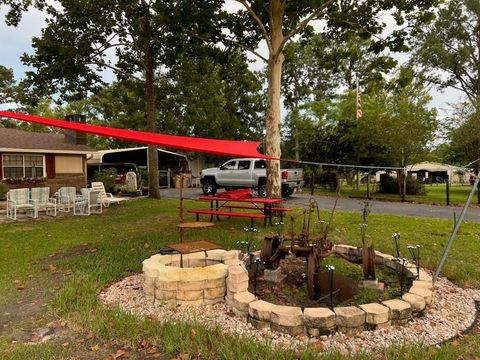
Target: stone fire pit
{"x": 218, "y": 275}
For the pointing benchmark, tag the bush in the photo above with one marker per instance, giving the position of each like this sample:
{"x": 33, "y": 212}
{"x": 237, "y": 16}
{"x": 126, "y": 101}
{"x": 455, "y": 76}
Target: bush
{"x": 390, "y": 185}
{"x": 3, "y": 190}
{"x": 107, "y": 177}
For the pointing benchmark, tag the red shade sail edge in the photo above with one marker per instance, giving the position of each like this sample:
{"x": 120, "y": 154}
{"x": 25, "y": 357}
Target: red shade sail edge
{"x": 204, "y": 145}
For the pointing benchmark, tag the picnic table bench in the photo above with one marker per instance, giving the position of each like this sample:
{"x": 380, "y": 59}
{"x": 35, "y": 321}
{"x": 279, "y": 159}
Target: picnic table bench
{"x": 264, "y": 207}
{"x": 218, "y": 213}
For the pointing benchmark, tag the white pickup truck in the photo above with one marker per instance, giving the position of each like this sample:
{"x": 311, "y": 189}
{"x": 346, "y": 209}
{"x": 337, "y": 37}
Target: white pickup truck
{"x": 247, "y": 173}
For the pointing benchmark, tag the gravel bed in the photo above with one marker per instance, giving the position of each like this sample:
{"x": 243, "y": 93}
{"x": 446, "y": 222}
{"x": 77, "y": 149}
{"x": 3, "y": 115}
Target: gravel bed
{"x": 451, "y": 312}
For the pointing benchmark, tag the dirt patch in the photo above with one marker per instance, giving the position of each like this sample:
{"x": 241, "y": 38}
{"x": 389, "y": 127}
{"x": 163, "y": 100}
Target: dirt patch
{"x": 18, "y": 318}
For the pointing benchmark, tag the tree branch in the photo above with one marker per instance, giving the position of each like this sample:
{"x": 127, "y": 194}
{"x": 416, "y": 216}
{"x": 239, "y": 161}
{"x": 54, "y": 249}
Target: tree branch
{"x": 303, "y": 24}
{"x": 247, "y": 48}
{"x": 100, "y": 62}
{"x": 259, "y": 22}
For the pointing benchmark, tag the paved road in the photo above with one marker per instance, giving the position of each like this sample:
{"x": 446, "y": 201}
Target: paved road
{"x": 347, "y": 204}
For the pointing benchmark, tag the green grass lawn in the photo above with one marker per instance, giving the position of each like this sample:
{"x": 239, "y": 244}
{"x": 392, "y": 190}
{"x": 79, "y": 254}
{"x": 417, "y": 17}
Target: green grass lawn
{"x": 89, "y": 253}
{"x": 436, "y": 194}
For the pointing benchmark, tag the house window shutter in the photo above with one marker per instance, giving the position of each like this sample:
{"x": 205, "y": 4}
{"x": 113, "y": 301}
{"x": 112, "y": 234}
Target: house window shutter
{"x": 50, "y": 165}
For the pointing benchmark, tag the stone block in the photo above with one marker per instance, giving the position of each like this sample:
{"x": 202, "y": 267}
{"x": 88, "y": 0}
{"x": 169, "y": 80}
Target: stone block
{"x": 274, "y": 276}
{"x": 399, "y": 309}
{"x": 233, "y": 262}
{"x": 213, "y": 293}
{"x": 215, "y": 283}
{"x": 165, "y": 294}
{"x": 425, "y": 293}
{"x": 191, "y": 285}
{"x": 351, "y": 331}
{"x": 240, "y": 314}
{"x": 319, "y": 318}
{"x": 242, "y": 300}
{"x": 261, "y": 310}
{"x": 190, "y": 295}
{"x": 237, "y": 287}
{"x": 213, "y": 301}
{"x": 424, "y": 284}
{"x": 259, "y": 324}
{"x": 167, "y": 285}
{"x": 424, "y": 276}
{"x": 416, "y": 302}
{"x": 375, "y": 313}
{"x": 289, "y": 316}
{"x": 237, "y": 274}
{"x": 290, "y": 330}
{"x": 229, "y": 302}
{"x": 317, "y": 332}
{"x": 384, "y": 325}
{"x": 349, "y": 317}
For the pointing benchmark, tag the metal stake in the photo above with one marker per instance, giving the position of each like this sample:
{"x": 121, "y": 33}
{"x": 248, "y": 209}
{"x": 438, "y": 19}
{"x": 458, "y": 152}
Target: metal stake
{"x": 330, "y": 270}
{"x": 455, "y": 230}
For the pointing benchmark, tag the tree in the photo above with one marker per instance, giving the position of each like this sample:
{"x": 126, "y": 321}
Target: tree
{"x": 7, "y": 85}
{"x": 317, "y": 67}
{"x": 144, "y": 36}
{"x": 449, "y": 49}
{"x": 278, "y": 21}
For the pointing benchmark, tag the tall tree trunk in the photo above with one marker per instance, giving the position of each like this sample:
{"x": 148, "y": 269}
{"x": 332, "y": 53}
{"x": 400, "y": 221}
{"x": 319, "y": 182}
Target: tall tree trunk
{"x": 272, "y": 122}
{"x": 151, "y": 112}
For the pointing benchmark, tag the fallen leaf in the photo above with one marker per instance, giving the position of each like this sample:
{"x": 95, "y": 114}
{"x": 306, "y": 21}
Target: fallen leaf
{"x": 192, "y": 333}
{"x": 146, "y": 245}
{"x": 52, "y": 267}
{"x": 93, "y": 250}
{"x": 152, "y": 350}
{"x": 95, "y": 347}
{"x": 120, "y": 353}
{"x": 65, "y": 344}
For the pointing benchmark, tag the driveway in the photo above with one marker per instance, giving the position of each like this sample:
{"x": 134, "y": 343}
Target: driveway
{"x": 347, "y": 204}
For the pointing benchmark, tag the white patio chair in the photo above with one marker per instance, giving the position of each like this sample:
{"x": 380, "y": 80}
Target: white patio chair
{"x": 88, "y": 202}
{"x": 104, "y": 196}
{"x": 41, "y": 196}
{"x": 19, "y": 199}
{"x": 66, "y": 196}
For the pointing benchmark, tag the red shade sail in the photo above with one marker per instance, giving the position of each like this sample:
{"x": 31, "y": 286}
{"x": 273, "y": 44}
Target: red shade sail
{"x": 211, "y": 146}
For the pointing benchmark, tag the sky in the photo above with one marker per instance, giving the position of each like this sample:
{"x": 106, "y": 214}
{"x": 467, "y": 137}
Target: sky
{"x": 16, "y": 41}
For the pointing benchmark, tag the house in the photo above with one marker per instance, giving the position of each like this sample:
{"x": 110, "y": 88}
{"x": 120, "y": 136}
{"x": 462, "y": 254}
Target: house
{"x": 30, "y": 159}
{"x": 433, "y": 172}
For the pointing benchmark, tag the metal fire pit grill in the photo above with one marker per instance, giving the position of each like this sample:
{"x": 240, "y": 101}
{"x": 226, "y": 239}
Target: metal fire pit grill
{"x": 313, "y": 248}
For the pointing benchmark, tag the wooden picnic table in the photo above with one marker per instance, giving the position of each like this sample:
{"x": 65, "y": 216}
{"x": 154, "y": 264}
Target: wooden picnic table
{"x": 264, "y": 206}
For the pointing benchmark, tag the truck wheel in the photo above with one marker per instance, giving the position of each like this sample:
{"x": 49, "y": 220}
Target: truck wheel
{"x": 262, "y": 189}
{"x": 287, "y": 192}
{"x": 209, "y": 187}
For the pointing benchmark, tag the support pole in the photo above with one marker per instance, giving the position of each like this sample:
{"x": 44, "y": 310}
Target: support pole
{"x": 455, "y": 230}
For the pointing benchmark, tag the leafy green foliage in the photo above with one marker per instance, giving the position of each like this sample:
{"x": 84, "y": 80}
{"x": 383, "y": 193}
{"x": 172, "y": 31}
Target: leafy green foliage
{"x": 107, "y": 177}
{"x": 448, "y": 49}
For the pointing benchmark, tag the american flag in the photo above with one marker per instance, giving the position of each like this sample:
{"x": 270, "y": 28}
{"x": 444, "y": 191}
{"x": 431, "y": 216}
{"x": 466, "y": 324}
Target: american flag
{"x": 359, "y": 103}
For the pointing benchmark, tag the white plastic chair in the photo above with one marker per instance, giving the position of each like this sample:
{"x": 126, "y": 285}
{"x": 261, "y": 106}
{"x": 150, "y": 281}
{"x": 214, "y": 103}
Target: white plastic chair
{"x": 88, "y": 202}
{"x": 104, "y": 196}
{"x": 66, "y": 196}
{"x": 19, "y": 199}
{"x": 44, "y": 202}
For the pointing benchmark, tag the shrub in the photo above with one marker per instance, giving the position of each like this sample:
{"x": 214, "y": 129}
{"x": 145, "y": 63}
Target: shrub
{"x": 107, "y": 177}
{"x": 3, "y": 190}
{"x": 390, "y": 185}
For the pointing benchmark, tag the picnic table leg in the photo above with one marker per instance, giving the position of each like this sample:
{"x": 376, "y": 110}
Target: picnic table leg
{"x": 216, "y": 208}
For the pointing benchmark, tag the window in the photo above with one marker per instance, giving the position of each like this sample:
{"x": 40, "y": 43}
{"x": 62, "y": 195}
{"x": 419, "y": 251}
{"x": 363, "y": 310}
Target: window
{"x": 244, "y": 165}
{"x": 23, "y": 166}
{"x": 260, "y": 164}
{"x": 229, "y": 165}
